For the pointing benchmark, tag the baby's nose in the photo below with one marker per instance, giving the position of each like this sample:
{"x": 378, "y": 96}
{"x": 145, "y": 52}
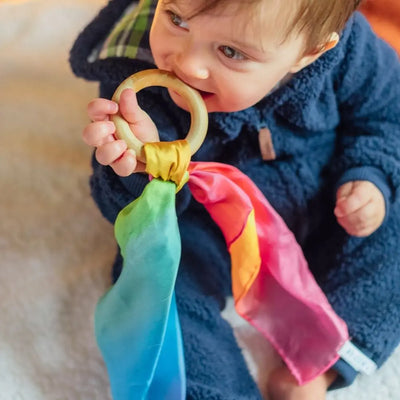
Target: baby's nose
{"x": 191, "y": 64}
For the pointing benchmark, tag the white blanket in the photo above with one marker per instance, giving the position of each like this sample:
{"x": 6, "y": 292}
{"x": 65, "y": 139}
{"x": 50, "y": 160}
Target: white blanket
{"x": 56, "y": 249}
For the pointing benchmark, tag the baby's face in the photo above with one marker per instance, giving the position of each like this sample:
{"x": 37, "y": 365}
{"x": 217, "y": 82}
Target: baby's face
{"x": 233, "y": 57}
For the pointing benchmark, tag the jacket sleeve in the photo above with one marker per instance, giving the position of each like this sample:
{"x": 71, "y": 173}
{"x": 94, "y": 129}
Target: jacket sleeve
{"x": 361, "y": 275}
{"x": 368, "y": 93}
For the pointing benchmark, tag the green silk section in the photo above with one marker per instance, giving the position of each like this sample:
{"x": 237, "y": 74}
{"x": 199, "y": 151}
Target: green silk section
{"x": 136, "y": 323}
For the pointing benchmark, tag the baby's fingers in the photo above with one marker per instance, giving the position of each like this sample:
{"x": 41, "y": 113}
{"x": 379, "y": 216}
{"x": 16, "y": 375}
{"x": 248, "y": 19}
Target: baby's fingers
{"x": 108, "y": 153}
{"x": 353, "y": 195}
{"x": 349, "y": 203}
{"x": 98, "y": 133}
{"x": 362, "y": 222}
{"x": 100, "y": 109}
{"x": 127, "y": 164}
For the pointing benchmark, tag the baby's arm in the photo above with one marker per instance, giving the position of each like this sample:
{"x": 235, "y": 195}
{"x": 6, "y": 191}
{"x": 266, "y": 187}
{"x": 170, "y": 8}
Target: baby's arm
{"x": 100, "y": 133}
{"x": 360, "y": 207}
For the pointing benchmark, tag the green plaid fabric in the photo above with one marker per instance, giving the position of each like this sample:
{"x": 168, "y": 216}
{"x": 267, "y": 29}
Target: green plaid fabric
{"x": 130, "y": 36}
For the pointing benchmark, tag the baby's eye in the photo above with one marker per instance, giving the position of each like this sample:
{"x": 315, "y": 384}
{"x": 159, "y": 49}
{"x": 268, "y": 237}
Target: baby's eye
{"x": 177, "y": 20}
{"x": 229, "y": 52}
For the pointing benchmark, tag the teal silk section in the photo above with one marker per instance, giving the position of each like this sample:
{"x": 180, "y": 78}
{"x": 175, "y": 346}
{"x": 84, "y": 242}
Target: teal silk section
{"x": 136, "y": 321}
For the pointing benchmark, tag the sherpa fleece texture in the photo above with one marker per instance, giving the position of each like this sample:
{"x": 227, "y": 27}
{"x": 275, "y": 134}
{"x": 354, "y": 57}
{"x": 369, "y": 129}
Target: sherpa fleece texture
{"x": 334, "y": 121}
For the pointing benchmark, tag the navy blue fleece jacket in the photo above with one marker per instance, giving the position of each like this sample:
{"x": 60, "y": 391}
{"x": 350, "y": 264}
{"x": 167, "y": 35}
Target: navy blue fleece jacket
{"x": 336, "y": 120}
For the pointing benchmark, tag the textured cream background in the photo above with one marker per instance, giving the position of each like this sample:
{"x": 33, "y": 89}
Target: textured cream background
{"x": 55, "y": 248}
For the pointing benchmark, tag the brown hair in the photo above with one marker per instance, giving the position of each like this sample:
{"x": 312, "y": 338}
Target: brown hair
{"x": 317, "y": 19}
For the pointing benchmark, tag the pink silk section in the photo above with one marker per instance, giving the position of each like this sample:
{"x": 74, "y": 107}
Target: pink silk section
{"x": 281, "y": 298}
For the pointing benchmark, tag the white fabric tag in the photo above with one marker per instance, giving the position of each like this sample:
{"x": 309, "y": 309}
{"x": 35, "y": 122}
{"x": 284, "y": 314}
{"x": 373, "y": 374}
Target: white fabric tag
{"x": 358, "y": 360}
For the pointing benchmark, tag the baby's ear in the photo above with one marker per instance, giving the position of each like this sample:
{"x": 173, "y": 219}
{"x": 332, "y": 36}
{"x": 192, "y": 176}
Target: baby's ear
{"x": 309, "y": 58}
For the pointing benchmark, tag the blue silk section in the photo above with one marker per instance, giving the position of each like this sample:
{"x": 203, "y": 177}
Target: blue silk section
{"x": 136, "y": 321}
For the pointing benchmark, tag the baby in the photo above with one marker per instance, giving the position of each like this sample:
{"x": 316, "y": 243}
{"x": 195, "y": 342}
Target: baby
{"x": 302, "y": 98}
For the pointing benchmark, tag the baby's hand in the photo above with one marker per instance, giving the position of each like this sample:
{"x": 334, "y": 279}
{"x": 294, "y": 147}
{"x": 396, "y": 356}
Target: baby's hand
{"x": 360, "y": 207}
{"x": 100, "y": 133}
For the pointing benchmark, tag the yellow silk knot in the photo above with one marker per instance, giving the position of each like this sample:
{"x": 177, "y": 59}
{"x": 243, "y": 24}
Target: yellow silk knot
{"x": 168, "y": 161}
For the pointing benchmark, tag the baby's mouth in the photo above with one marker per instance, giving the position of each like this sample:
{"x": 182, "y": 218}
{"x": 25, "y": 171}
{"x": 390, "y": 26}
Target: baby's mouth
{"x": 205, "y": 95}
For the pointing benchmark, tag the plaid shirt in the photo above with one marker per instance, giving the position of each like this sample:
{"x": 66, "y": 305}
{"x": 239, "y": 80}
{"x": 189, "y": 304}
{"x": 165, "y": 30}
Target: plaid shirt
{"x": 130, "y": 36}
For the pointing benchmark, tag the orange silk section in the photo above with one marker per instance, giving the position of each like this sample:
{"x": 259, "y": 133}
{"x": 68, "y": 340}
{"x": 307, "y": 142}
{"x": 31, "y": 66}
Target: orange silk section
{"x": 246, "y": 260}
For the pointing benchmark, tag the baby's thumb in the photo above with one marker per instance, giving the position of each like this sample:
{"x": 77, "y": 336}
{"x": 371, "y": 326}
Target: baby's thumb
{"x": 129, "y": 107}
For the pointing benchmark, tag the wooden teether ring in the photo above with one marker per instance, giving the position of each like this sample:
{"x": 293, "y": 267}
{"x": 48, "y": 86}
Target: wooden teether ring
{"x": 155, "y": 77}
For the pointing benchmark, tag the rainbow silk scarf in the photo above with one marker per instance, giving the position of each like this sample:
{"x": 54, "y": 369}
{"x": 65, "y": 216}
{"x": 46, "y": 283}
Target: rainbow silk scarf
{"x": 136, "y": 321}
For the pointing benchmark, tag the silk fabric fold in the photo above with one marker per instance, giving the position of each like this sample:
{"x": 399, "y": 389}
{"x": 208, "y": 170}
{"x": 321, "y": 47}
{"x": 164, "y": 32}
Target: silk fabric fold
{"x": 136, "y": 321}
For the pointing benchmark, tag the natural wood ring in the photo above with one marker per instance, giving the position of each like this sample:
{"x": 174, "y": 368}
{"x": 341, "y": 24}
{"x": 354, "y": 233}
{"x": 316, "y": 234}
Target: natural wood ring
{"x": 156, "y": 77}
